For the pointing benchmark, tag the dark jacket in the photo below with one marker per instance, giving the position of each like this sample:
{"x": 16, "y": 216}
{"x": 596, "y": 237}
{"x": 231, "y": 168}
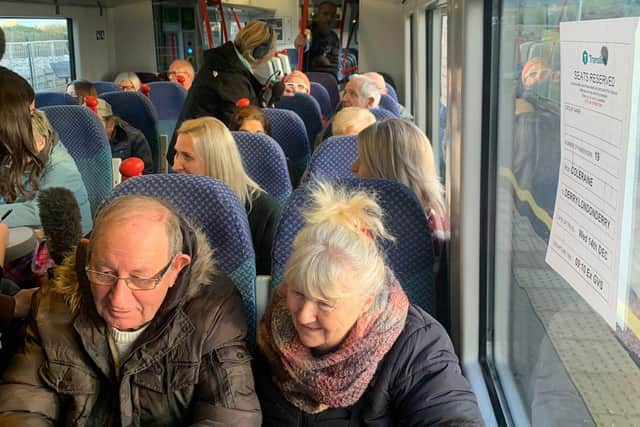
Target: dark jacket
{"x": 324, "y": 51}
{"x": 263, "y": 220}
{"x": 418, "y": 383}
{"x": 189, "y": 367}
{"x": 127, "y": 141}
{"x": 220, "y": 83}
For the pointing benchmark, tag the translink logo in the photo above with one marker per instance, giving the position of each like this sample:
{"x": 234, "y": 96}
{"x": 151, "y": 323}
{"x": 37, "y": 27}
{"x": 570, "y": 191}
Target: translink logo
{"x": 587, "y": 58}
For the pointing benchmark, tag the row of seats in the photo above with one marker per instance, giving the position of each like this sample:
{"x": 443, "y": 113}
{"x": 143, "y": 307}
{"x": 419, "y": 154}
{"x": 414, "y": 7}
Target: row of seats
{"x": 409, "y": 256}
{"x": 265, "y": 157}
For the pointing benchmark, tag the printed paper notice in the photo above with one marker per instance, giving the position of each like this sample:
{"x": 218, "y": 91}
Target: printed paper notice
{"x": 589, "y": 241}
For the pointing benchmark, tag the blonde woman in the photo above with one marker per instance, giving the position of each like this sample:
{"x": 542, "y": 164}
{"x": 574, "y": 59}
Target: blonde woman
{"x": 340, "y": 344}
{"x": 128, "y": 81}
{"x": 398, "y": 150}
{"x": 206, "y": 147}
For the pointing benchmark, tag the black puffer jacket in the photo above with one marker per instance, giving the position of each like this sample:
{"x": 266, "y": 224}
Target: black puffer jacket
{"x": 418, "y": 383}
{"x": 220, "y": 83}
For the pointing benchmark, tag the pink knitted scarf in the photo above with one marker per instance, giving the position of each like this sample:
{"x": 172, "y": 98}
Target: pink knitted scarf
{"x": 337, "y": 379}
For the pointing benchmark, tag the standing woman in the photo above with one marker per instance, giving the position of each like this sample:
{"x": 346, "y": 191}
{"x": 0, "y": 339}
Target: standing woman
{"x": 340, "y": 344}
{"x": 31, "y": 157}
{"x": 227, "y": 76}
{"x": 206, "y": 147}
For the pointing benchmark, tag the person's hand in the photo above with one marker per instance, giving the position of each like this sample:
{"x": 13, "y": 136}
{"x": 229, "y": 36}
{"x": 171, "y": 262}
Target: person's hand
{"x": 4, "y": 234}
{"x": 300, "y": 41}
{"x": 23, "y": 302}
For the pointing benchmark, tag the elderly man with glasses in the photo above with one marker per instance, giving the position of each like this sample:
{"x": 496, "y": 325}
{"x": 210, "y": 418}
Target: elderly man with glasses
{"x": 137, "y": 329}
{"x": 296, "y": 82}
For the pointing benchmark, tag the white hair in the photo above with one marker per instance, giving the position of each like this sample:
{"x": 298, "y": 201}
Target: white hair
{"x": 368, "y": 88}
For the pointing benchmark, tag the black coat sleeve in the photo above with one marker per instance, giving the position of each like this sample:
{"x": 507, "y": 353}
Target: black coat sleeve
{"x": 428, "y": 385}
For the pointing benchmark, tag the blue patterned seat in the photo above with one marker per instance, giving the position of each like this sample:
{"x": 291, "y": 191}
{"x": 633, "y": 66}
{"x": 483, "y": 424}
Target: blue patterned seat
{"x": 382, "y": 114}
{"x": 392, "y": 92}
{"x": 387, "y": 103}
{"x": 168, "y": 99}
{"x": 307, "y": 108}
{"x": 139, "y": 112}
{"x": 322, "y": 96}
{"x": 196, "y": 197}
{"x": 265, "y": 162}
{"x": 83, "y": 135}
{"x": 103, "y": 87}
{"x": 333, "y": 158}
{"x": 48, "y": 99}
{"x": 287, "y": 128}
{"x": 330, "y": 84}
{"x": 410, "y": 256}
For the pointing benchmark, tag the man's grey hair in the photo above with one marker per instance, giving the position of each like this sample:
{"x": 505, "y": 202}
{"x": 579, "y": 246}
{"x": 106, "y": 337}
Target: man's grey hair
{"x": 368, "y": 88}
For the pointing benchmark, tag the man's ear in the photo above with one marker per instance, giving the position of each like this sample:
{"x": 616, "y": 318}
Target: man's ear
{"x": 370, "y": 101}
{"x": 179, "y": 262}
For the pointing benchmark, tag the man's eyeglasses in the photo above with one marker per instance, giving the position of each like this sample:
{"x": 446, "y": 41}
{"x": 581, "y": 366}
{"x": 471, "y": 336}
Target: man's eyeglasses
{"x": 99, "y": 278}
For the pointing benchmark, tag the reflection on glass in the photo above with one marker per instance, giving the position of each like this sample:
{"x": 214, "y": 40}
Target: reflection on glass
{"x": 558, "y": 361}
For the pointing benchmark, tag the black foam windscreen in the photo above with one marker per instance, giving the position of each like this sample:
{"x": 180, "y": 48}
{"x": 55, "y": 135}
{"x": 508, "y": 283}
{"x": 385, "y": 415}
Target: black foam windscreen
{"x": 60, "y": 219}
{"x": 276, "y": 92}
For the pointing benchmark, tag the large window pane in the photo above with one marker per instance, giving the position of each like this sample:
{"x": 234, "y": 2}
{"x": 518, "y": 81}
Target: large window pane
{"x": 38, "y": 50}
{"x": 558, "y": 361}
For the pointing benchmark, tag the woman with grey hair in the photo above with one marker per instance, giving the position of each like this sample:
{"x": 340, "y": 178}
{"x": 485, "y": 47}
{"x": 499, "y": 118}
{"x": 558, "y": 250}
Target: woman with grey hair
{"x": 128, "y": 81}
{"x": 340, "y": 343}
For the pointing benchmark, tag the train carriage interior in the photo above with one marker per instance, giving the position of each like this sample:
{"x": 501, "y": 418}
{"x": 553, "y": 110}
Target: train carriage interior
{"x": 484, "y": 80}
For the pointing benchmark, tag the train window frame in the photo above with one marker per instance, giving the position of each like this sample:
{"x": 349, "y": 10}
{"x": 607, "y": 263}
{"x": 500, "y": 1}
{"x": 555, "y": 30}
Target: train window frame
{"x": 70, "y": 49}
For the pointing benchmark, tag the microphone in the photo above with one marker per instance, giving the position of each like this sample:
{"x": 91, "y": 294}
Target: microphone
{"x": 133, "y": 166}
{"x": 60, "y": 219}
{"x": 268, "y": 88}
{"x": 276, "y": 92}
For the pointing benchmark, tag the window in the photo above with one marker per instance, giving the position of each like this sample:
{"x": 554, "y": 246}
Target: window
{"x": 40, "y": 50}
{"x": 557, "y": 361}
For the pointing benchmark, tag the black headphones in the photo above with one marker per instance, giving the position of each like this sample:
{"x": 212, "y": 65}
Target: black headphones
{"x": 263, "y": 49}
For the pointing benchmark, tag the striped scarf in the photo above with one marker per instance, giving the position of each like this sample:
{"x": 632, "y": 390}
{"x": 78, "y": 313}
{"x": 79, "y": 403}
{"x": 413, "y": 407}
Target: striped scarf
{"x": 338, "y": 379}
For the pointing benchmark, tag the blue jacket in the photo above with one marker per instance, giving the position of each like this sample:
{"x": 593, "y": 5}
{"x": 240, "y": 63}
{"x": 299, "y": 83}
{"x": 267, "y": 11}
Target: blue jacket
{"x": 60, "y": 171}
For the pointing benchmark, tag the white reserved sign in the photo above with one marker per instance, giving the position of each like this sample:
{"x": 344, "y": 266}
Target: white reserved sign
{"x": 589, "y": 245}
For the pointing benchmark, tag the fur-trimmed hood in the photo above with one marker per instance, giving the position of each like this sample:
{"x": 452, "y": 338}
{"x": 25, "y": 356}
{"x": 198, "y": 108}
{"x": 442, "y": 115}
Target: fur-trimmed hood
{"x": 70, "y": 280}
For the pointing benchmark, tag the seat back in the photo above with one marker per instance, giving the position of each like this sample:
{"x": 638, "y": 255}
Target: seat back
{"x": 322, "y": 97}
{"x": 392, "y": 92}
{"x": 137, "y": 110}
{"x": 330, "y": 84}
{"x": 333, "y": 158}
{"x": 382, "y": 114}
{"x": 307, "y": 108}
{"x": 48, "y": 99}
{"x": 84, "y": 137}
{"x": 410, "y": 256}
{"x": 103, "y": 87}
{"x": 288, "y": 130}
{"x": 265, "y": 163}
{"x": 195, "y": 198}
{"x": 387, "y": 103}
{"x": 168, "y": 99}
